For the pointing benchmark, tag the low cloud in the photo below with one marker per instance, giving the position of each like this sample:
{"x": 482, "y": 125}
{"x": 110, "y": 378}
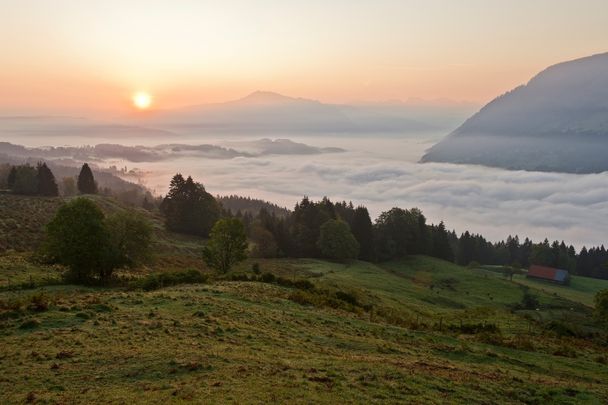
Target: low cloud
{"x": 493, "y": 202}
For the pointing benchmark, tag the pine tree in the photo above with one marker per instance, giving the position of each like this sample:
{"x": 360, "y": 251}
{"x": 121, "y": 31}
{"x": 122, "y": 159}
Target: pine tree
{"x": 12, "y": 177}
{"x": 86, "y": 181}
{"x": 47, "y": 186}
{"x": 188, "y": 208}
{"x": 362, "y": 229}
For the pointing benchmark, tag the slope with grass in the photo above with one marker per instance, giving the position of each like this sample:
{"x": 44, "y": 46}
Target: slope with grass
{"x": 418, "y": 330}
{"x": 385, "y": 334}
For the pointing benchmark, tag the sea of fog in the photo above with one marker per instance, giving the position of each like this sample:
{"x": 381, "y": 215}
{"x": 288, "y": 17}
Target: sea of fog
{"x": 382, "y": 172}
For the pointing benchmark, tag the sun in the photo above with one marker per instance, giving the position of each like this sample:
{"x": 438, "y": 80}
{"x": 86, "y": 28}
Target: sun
{"x": 142, "y": 100}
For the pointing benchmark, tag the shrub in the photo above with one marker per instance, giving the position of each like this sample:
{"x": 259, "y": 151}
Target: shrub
{"x": 268, "y": 278}
{"x": 601, "y": 305}
{"x": 158, "y": 280}
{"x": 529, "y": 301}
{"x": 30, "y": 324}
{"x": 255, "y": 267}
{"x": 347, "y": 297}
{"x": 38, "y": 302}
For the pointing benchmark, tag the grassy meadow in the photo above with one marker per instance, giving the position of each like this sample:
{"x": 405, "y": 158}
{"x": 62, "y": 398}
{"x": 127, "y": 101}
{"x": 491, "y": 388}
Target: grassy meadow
{"x": 419, "y": 330}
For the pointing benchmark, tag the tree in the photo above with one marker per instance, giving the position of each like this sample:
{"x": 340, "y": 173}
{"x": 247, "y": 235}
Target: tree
{"x": 362, "y": 230}
{"x": 188, "y": 208}
{"x": 601, "y": 305}
{"x": 68, "y": 186}
{"x": 440, "y": 243}
{"x": 227, "y": 244}
{"x": 86, "y": 181}
{"x": 130, "y": 239}
{"x": 337, "y": 242}
{"x": 400, "y": 232}
{"x": 12, "y": 177}
{"x": 46, "y": 181}
{"x": 77, "y": 238}
{"x": 264, "y": 242}
{"x": 26, "y": 180}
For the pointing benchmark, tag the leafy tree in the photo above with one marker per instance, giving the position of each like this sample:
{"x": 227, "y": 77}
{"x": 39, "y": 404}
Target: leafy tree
{"x": 26, "y": 180}
{"x": 227, "y": 244}
{"x": 130, "y": 239}
{"x": 601, "y": 305}
{"x": 362, "y": 230}
{"x": 337, "y": 242}
{"x": 46, "y": 181}
{"x": 86, "y": 181}
{"x": 188, "y": 208}
{"x": 12, "y": 177}
{"x": 77, "y": 238}
{"x": 91, "y": 245}
{"x": 264, "y": 242}
{"x": 68, "y": 186}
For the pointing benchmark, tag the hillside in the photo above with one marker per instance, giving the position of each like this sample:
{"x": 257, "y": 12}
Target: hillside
{"x": 557, "y": 122}
{"x": 244, "y": 341}
{"x": 417, "y": 330}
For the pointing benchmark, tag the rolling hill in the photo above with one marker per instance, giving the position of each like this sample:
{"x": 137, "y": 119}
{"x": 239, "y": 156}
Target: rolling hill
{"x": 418, "y": 330}
{"x": 557, "y": 122}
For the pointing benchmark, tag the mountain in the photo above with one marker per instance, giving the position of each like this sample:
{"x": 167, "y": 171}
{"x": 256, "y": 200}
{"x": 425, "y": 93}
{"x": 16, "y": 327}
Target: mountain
{"x": 272, "y": 113}
{"x": 557, "y": 122}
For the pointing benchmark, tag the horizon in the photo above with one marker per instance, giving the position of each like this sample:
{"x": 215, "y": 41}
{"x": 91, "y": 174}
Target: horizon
{"x": 202, "y": 54}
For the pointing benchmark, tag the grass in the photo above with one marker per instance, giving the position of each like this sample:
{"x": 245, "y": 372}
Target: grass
{"x": 243, "y": 341}
{"x": 419, "y": 330}
{"x": 581, "y": 289}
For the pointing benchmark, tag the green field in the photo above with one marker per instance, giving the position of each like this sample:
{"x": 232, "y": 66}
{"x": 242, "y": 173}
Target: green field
{"x": 419, "y": 330}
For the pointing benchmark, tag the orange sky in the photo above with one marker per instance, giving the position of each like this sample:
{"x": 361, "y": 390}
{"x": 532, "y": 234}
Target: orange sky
{"x": 68, "y": 56}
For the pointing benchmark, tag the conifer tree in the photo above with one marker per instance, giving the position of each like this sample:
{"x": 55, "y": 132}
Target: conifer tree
{"x": 86, "y": 181}
{"x": 47, "y": 186}
{"x": 12, "y": 177}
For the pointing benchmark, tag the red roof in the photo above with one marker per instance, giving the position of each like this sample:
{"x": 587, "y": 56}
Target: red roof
{"x": 548, "y": 273}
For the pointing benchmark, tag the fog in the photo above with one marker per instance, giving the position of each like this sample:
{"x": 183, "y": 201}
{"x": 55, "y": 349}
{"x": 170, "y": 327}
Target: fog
{"x": 381, "y": 172}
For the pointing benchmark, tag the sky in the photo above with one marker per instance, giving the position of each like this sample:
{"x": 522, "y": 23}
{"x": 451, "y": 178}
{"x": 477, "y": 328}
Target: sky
{"x": 89, "y": 57}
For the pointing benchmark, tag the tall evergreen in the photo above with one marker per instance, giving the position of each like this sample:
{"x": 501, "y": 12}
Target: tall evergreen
{"x": 12, "y": 177}
{"x": 441, "y": 244}
{"x": 362, "y": 229}
{"x": 47, "y": 185}
{"x": 86, "y": 181}
{"x": 188, "y": 208}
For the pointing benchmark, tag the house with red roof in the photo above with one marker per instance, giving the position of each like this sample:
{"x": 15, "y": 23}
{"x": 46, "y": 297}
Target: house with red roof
{"x": 550, "y": 274}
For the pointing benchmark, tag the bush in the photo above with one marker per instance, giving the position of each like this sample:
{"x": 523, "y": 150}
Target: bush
{"x": 347, "y": 297}
{"x": 268, "y": 278}
{"x": 529, "y": 301}
{"x": 38, "y": 302}
{"x": 158, "y": 280}
{"x": 255, "y": 267}
{"x": 601, "y": 306}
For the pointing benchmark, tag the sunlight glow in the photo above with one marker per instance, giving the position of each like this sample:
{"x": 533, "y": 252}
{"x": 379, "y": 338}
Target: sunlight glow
{"x": 142, "y": 100}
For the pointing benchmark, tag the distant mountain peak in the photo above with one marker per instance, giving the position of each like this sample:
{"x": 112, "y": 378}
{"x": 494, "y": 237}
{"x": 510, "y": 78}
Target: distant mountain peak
{"x": 269, "y": 97}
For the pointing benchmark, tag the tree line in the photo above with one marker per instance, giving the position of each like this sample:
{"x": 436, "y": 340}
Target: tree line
{"x": 39, "y": 180}
{"x": 342, "y": 231}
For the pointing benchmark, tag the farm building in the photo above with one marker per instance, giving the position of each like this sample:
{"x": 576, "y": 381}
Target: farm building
{"x": 549, "y": 274}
